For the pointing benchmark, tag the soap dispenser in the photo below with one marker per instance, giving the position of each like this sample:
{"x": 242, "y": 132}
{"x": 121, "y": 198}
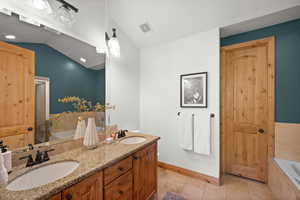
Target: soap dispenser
{"x": 6, "y": 156}
{"x": 3, "y": 173}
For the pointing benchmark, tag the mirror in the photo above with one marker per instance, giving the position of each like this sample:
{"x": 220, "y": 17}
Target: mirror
{"x": 68, "y": 82}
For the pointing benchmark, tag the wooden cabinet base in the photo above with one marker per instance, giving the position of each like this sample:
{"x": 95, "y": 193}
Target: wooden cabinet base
{"x": 133, "y": 178}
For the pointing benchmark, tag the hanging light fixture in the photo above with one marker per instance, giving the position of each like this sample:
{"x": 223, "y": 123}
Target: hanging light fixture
{"x": 40, "y": 4}
{"x": 113, "y": 43}
{"x": 65, "y": 13}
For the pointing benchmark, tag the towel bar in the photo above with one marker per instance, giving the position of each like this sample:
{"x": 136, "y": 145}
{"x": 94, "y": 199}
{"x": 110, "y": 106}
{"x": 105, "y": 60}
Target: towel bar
{"x": 193, "y": 132}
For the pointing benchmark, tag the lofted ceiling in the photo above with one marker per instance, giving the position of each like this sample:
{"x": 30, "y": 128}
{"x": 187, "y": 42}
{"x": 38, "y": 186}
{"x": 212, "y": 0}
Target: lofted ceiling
{"x": 172, "y": 19}
{"x": 89, "y": 21}
{"x": 261, "y": 22}
{"x": 168, "y": 19}
{"x": 73, "y": 48}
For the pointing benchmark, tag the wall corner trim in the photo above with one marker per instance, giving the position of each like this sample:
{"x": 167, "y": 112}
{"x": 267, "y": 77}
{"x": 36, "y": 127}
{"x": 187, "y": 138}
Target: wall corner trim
{"x": 187, "y": 172}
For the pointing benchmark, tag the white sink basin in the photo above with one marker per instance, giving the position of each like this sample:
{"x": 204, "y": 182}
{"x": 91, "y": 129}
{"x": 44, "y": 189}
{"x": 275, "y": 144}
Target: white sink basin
{"x": 42, "y": 175}
{"x": 133, "y": 140}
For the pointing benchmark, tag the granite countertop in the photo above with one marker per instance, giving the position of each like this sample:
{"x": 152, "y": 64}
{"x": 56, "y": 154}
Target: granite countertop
{"x": 90, "y": 161}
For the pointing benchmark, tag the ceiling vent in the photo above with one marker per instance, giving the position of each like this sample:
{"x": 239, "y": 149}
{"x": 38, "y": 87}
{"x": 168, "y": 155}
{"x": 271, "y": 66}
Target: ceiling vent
{"x": 145, "y": 28}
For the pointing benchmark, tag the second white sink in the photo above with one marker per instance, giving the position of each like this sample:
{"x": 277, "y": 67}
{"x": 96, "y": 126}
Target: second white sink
{"x": 133, "y": 140}
{"x": 42, "y": 175}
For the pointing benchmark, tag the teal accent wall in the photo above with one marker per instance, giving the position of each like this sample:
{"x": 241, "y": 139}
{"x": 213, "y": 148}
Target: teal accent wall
{"x": 287, "y": 91}
{"x": 67, "y": 77}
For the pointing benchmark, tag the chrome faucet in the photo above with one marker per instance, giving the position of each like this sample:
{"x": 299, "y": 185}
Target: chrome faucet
{"x": 40, "y": 157}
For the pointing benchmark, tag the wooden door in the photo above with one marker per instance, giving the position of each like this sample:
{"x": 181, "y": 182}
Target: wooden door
{"x": 90, "y": 188}
{"x": 16, "y": 141}
{"x": 17, "y": 93}
{"x": 145, "y": 173}
{"x": 247, "y": 107}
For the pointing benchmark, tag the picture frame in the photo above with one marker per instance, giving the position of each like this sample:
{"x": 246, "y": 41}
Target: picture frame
{"x": 193, "y": 90}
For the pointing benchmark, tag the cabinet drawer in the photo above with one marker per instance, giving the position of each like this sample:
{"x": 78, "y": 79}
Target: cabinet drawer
{"x": 117, "y": 170}
{"x": 120, "y": 189}
{"x": 90, "y": 188}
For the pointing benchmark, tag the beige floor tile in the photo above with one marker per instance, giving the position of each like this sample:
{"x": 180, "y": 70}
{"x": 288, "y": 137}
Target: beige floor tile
{"x": 259, "y": 191}
{"x": 193, "y": 192}
{"x": 236, "y": 188}
{"x": 233, "y": 188}
{"x": 213, "y": 192}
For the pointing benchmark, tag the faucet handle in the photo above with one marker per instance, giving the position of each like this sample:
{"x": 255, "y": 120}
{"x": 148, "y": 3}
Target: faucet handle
{"x": 30, "y": 147}
{"x": 38, "y": 157}
{"x": 29, "y": 162}
{"x": 46, "y": 156}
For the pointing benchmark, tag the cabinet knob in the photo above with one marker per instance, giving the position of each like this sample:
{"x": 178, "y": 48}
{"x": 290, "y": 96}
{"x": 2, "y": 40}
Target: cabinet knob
{"x": 135, "y": 157}
{"x": 261, "y": 131}
{"x": 121, "y": 192}
{"x": 69, "y": 196}
{"x": 121, "y": 168}
{"x": 29, "y": 129}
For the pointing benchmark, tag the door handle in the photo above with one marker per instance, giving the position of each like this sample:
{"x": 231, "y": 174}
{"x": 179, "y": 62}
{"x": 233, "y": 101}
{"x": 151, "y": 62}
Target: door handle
{"x": 261, "y": 131}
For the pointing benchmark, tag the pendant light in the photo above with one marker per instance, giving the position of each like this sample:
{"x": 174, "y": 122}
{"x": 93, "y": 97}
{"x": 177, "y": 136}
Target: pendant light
{"x": 65, "y": 16}
{"x": 66, "y": 13}
{"x": 113, "y": 44}
{"x": 40, "y": 4}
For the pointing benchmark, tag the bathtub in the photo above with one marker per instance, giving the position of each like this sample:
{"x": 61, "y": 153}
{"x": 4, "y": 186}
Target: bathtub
{"x": 67, "y": 134}
{"x": 291, "y": 169}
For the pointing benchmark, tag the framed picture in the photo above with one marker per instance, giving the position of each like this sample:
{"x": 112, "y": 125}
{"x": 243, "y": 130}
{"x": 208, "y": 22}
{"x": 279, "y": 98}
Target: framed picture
{"x": 193, "y": 90}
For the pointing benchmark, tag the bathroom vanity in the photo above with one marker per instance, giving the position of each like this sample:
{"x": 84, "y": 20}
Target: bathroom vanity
{"x": 116, "y": 171}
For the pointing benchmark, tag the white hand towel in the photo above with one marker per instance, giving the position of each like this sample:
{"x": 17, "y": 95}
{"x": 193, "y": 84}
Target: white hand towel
{"x": 3, "y": 172}
{"x": 80, "y": 129}
{"x": 91, "y": 138}
{"x": 202, "y": 134}
{"x": 185, "y": 131}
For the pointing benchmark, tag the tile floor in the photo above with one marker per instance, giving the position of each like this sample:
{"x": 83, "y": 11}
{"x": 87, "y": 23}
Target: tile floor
{"x": 234, "y": 188}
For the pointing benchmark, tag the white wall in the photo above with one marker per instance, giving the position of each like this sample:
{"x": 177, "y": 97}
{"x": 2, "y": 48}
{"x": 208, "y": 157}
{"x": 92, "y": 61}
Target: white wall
{"x": 161, "y": 67}
{"x": 122, "y": 84}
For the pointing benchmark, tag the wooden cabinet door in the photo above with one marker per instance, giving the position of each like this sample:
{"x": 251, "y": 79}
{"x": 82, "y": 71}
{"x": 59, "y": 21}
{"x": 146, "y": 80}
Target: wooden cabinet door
{"x": 145, "y": 173}
{"x": 90, "y": 188}
{"x": 17, "y": 73}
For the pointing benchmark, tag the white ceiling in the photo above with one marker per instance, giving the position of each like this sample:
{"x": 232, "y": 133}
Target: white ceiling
{"x": 172, "y": 19}
{"x": 168, "y": 19}
{"x": 73, "y": 48}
